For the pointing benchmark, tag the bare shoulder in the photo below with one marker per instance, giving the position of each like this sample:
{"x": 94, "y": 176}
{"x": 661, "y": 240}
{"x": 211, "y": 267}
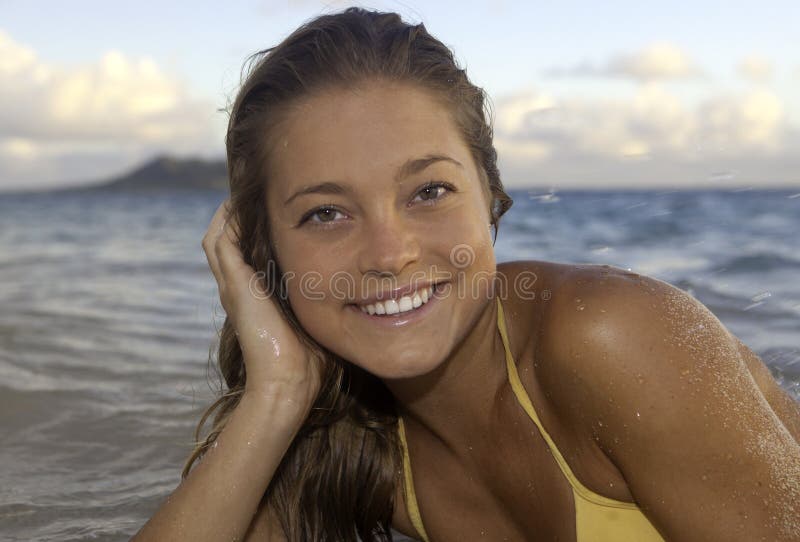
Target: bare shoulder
{"x": 606, "y": 315}
{"x": 669, "y": 394}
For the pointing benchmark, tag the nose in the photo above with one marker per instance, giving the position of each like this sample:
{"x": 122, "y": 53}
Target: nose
{"x": 388, "y": 246}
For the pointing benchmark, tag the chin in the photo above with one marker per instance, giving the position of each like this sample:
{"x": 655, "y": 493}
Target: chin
{"x": 405, "y": 367}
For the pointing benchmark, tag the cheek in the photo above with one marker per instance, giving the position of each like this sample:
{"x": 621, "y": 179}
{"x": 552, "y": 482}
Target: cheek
{"x": 477, "y": 235}
{"x": 305, "y": 257}
{"x": 477, "y": 259}
{"x": 307, "y": 295}
{"x": 468, "y": 223}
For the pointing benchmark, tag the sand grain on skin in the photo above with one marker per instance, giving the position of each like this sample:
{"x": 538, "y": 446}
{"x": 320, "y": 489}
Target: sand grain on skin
{"x": 767, "y": 440}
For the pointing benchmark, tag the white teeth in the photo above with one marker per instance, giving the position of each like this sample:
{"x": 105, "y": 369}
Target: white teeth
{"x": 404, "y": 304}
{"x": 391, "y": 306}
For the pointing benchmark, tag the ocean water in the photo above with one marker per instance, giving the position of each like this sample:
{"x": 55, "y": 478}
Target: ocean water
{"x": 108, "y": 311}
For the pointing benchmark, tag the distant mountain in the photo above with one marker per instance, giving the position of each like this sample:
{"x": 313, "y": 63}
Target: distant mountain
{"x": 169, "y": 173}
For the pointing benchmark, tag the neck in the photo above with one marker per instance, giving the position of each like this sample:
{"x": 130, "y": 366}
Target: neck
{"x": 456, "y": 401}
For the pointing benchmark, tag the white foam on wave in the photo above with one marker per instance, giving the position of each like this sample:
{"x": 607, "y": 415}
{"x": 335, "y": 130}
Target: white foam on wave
{"x": 662, "y": 264}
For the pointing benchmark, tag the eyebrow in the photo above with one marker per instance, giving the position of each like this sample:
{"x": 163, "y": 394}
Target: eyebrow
{"x": 410, "y": 167}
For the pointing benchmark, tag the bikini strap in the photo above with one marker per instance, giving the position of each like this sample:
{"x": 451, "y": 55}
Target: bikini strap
{"x": 411, "y": 496}
{"x": 525, "y": 401}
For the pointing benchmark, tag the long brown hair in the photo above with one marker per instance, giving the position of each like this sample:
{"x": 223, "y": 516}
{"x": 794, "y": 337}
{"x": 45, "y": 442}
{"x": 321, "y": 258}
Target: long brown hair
{"x": 339, "y": 475}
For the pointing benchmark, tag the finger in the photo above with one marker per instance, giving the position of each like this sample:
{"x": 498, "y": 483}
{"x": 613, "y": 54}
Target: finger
{"x": 211, "y": 236}
{"x": 233, "y": 268}
{"x": 232, "y": 227}
{"x": 220, "y": 215}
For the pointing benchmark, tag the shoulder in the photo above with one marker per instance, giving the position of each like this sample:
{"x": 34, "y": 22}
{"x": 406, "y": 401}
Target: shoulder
{"x": 619, "y": 331}
{"x": 663, "y": 388}
{"x": 608, "y": 308}
{"x": 619, "y": 336}
{"x": 563, "y": 313}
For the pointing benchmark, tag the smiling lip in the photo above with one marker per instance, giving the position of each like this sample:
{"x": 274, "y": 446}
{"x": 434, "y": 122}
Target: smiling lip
{"x": 401, "y": 318}
{"x": 397, "y": 293}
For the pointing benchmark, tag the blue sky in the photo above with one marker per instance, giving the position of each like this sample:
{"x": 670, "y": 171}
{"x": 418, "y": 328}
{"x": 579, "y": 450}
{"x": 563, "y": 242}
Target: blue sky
{"x": 644, "y": 94}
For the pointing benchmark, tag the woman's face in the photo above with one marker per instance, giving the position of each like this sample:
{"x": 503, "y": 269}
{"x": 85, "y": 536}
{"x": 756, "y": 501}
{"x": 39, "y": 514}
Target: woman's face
{"x": 369, "y": 191}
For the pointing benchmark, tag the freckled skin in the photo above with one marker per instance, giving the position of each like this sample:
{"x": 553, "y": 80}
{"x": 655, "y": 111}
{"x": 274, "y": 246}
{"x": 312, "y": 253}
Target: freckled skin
{"x": 643, "y": 403}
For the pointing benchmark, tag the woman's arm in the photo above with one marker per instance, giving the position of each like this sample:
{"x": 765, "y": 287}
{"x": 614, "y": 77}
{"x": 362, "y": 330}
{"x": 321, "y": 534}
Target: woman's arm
{"x": 220, "y": 496}
{"x": 671, "y": 401}
{"x": 265, "y": 526}
{"x": 787, "y": 409}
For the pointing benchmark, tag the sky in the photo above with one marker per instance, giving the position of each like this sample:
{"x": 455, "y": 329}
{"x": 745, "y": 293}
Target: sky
{"x": 584, "y": 94}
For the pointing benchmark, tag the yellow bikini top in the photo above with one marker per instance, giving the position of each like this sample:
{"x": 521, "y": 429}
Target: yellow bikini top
{"x": 597, "y": 518}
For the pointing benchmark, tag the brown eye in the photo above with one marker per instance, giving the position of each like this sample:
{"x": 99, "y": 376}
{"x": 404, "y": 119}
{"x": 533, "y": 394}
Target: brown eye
{"x": 321, "y": 215}
{"x": 325, "y": 215}
{"x": 434, "y": 191}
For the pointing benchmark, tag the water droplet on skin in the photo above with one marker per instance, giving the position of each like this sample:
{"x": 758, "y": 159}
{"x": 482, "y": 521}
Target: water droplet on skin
{"x": 577, "y": 300}
{"x": 276, "y": 348}
{"x": 265, "y": 334}
{"x": 638, "y": 416}
{"x": 581, "y": 307}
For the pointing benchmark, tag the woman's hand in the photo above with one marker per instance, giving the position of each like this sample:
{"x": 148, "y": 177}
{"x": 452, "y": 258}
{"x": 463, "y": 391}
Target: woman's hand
{"x": 276, "y": 361}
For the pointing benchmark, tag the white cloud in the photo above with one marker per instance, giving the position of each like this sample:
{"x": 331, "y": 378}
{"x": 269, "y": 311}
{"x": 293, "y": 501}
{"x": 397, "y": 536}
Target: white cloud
{"x": 755, "y": 68}
{"x": 18, "y": 148}
{"x": 592, "y": 139}
{"x": 752, "y": 122}
{"x": 657, "y": 61}
{"x": 117, "y": 105}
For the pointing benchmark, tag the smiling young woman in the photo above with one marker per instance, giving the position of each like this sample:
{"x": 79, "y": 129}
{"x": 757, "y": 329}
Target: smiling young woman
{"x": 370, "y": 329}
